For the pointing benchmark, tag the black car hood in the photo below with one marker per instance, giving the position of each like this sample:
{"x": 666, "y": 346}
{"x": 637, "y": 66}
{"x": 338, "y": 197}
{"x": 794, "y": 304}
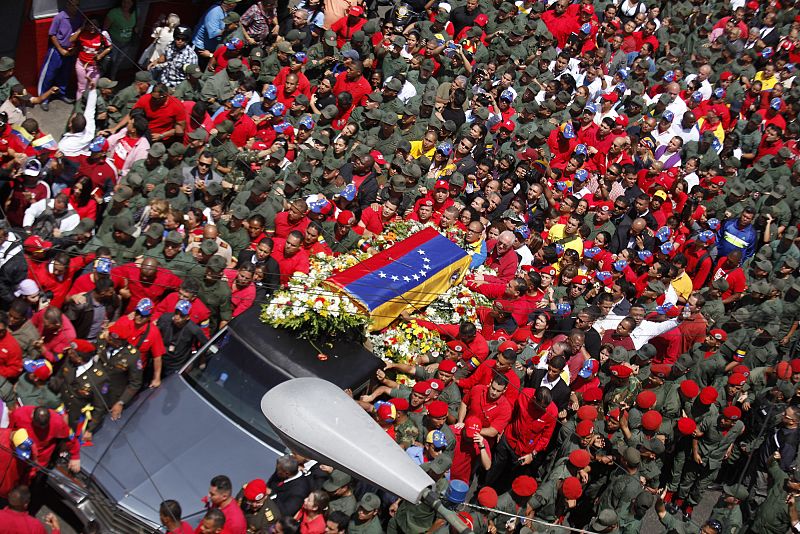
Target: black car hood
{"x": 169, "y": 444}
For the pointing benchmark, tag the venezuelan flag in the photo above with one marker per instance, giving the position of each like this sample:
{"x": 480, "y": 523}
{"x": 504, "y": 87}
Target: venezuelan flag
{"x": 46, "y": 143}
{"x": 408, "y": 275}
{"x": 22, "y": 134}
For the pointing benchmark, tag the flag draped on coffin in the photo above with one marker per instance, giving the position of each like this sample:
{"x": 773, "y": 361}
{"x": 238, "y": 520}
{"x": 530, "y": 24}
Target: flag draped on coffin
{"x": 410, "y": 274}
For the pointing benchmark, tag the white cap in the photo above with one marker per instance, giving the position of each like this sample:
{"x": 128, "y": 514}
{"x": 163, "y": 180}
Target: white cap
{"x": 444, "y": 5}
{"x": 26, "y": 288}
{"x": 33, "y": 167}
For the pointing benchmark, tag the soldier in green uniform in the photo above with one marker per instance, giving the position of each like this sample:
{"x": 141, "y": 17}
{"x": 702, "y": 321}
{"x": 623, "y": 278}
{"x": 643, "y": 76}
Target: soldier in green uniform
{"x": 123, "y": 101}
{"x": 366, "y": 520}
{"x": 215, "y": 294}
{"x": 419, "y": 517}
{"x": 340, "y": 488}
{"x": 105, "y": 93}
{"x": 625, "y": 485}
{"x": 260, "y": 511}
{"x": 151, "y": 169}
{"x": 222, "y": 85}
{"x": 123, "y": 246}
{"x": 118, "y": 210}
{"x": 727, "y": 510}
{"x": 339, "y": 235}
{"x": 33, "y": 388}
{"x": 191, "y": 88}
{"x": 83, "y": 394}
{"x": 7, "y": 78}
{"x": 123, "y": 365}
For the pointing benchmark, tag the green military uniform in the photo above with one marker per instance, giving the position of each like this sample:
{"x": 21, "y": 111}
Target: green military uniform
{"x": 31, "y": 394}
{"x": 124, "y": 368}
{"x": 346, "y": 504}
{"x": 216, "y": 295}
{"x": 123, "y": 102}
{"x": 350, "y": 241}
{"x": 83, "y": 395}
{"x": 26, "y": 335}
{"x": 220, "y": 87}
{"x": 189, "y": 90}
{"x": 373, "y": 526}
{"x": 772, "y": 517}
{"x": 150, "y": 176}
{"x": 121, "y": 252}
{"x": 263, "y": 518}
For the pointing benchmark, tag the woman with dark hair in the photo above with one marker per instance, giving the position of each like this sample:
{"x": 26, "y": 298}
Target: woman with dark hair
{"x": 454, "y": 111}
{"x": 130, "y": 144}
{"x": 312, "y": 515}
{"x": 80, "y": 197}
{"x": 322, "y": 94}
{"x": 120, "y": 23}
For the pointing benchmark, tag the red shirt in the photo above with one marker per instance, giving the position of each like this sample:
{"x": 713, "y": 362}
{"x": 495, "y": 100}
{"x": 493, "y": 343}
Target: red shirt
{"x": 465, "y": 456}
{"x": 359, "y": 88}
{"x": 505, "y": 265}
{"x": 86, "y": 283}
{"x": 478, "y": 347}
{"x": 163, "y": 117}
{"x": 373, "y": 220}
{"x": 149, "y": 341}
{"x": 235, "y": 523}
{"x": 15, "y": 471}
{"x": 46, "y": 442}
{"x": 54, "y": 342}
{"x": 243, "y": 128}
{"x": 184, "y": 528}
{"x": 495, "y": 414}
{"x": 14, "y": 521}
{"x": 303, "y": 85}
{"x": 737, "y": 282}
{"x": 530, "y": 428}
{"x": 345, "y": 31}
{"x": 89, "y": 44}
{"x": 241, "y": 299}
{"x": 130, "y": 272}
{"x": 483, "y": 376}
{"x": 10, "y": 357}
{"x": 283, "y": 226}
{"x": 289, "y": 266}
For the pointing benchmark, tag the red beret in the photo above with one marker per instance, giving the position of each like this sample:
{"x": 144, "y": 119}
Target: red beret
{"x": 487, "y": 497}
{"x": 448, "y": 366}
{"x": 660, "y": 370}
{"x": 455, "y": 346}
{"x": 122, "y": 329}
{"x": 686, "y": 426}
{"x": 584, "y": 428}
{"x": 742, "y": 369}
{"x": 736, "y": 379}
{"x": 437, "y": 408}
{"x": 689, "y": 388}
{"x": 651, "y": 420}
{"x": 613, "y": 414}
{"x": 795, "y": 365}
{"x": 423, "y": 388}
{"x": 605, "y": 206}
{"x": 783, "y": 370}
{"x": 732, "y": 412}
{"x": 436, "y": 384}
{"x": 571, "y": 488}
{"x": 580, "y": 279}
{"x": 508, "y": 345}
{"x": 646, "y": 399}
{"x": 726, "y": 75}
{"x": 708, "y": 395}
{"x": 587, "y": 413}
{"x": 621, "y": 371}
{"x": 255, "y": 490}
{"x": 82, "y": 345}
{"x": 467, "y": 518}
{"x": 719, "y": 334}
{"x": 345, "y": 217}
{"x": 400, "y": 404}
{"x": 524, "y": 486}
{"x": 593, "y": 395}
{"x": 580, "y": 458}
{"x": 547, "y": 269}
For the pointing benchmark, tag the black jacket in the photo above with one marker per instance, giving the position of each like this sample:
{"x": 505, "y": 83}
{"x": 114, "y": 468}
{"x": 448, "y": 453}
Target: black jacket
{"x": 560, "y": 391}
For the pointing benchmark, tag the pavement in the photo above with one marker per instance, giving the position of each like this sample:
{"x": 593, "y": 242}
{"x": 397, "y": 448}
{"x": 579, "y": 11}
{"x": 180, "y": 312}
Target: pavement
{"x": 53, "y": 121}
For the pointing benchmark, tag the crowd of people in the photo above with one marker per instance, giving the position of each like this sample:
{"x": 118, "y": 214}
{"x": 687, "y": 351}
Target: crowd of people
{"x": 620, "y": 173}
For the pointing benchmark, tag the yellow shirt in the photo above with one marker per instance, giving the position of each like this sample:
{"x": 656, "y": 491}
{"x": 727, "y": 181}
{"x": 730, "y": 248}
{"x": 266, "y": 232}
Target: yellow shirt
{"x": 416, "y": 150}
{"x": 766, "y": 84}
{"x": 556, "y": 234}
{"x": 683, "y": 286}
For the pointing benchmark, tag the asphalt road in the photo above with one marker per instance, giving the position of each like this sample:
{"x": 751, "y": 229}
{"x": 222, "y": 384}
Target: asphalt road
{"x": 53, "y": 121}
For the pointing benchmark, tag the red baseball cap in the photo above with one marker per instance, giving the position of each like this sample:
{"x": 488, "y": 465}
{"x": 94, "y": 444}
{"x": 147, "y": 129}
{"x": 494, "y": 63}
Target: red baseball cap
{"x": 35, "y": 243}
{"x": 508, "y": 124}
{"x": 726, "y": 75}
{"x": 472, "y": 426}
{"x": 355, "y": 11}
{"x": 611, "y": 97}
{"x": 587, "y": 8}
{"x": 442, "y": 184}
{"x": 622, "y": 120}
{"x": 795, "y": 365}
{"x": 481, "y": 20}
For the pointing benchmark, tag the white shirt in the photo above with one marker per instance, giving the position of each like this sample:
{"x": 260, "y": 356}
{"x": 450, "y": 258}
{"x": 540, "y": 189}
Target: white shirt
{"x": 705, "y": 86}
{"x": 74, "y": 144}
{"x": 692, "y": 134}
{"x": 37, "y": 208}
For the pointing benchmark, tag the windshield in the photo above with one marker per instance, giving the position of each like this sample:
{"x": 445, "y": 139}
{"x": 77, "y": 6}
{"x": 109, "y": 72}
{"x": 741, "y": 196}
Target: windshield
{"x": 233, "y": 377}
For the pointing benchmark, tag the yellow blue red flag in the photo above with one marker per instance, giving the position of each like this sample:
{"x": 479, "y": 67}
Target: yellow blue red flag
{"x": 408, "y": 275}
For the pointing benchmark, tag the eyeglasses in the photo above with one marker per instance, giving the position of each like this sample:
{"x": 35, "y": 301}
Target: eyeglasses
{"x": 201, "y": 164}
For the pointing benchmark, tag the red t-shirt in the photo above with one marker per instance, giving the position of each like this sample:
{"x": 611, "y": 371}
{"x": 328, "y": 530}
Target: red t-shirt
{"x": 289, "y": 266}
{"x": 199, "y": 313}
{"x": 89, "y": 45}
{"x": 359, "y": 88}
{"x": 154, "y": 290}
{"x": 163, "y": 117}
{"x": 283, "y": 226}
{"x": 530, "y": 428}
{"x": 465, "y": 456}
{"x": 495, "y": 414}
{"x": 737, "y": 282}
{"x": 10, "y": 357}
{"x": 235, "y": 522}
{"x": 122, "y": 149}
{"x": 243, "y": 129}
{"x": 150, "y": 345}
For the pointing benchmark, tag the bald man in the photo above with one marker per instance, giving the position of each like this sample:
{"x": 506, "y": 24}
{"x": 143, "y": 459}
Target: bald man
{"x": 211, "y": 232}
{"x": 634, "y": 235}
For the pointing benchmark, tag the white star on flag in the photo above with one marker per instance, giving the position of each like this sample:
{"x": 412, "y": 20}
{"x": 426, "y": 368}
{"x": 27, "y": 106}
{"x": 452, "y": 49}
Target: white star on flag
{"x": 395, "y": 278}
{"x": 421, "y": 252}
{"x": 415, "y": 277}
{"x": 382, "y": 274}
{"x": 406, "y": 279}
{"x": 426, "y": 260}
{"x": 423, "y": 273}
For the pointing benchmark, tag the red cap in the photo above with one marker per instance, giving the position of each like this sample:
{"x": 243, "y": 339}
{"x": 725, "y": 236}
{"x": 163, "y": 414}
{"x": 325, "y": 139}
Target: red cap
{"x": 508, "y": 125}
{"x": 436, "y": 384}
{"x": 508, "y": 345}
{"x": 487, "y": 496}
{"x": 442, "y": 184}
{"x": 605, "y": 206}
{"x": 587, "y": 8}
{"x": 646, "y": 399}
{"x": 400, "y": 404}
{"x": 524, "y": 486}
{"x": 466, "y": 517}
{"x": 783, "y": 370}
{"x": 613, "y": 414}
{"x": 423, "y": 388}
{"x": 378, "y": 157}
{"x": 437, "y": 408}
{"x": 584, "y": 428}
{"x": 611, "y": 97}
{"x": 580, "y": 458}
{"x": 82, "y": 345}
{"x": 386, "y": 412}
{"x": 35, "y": 243}
{"x": 621, "y": 371}
{"x": 43, "y": 372}
{"x": 686, "y": 426}
{"x": 726, "y": 75}
{"x": 122, "y": 329}
{"x": 472, "y": 426}
{"x": 718, "y": 180}
{"x": 622, "y": 120}
{"x": 795, "y": 365}
{"x": 719, "y": 334}
{"x": 732, "y": 412}
{"x": 587, "y": 413}
{"x": 481, "y": 20}
{"x": 571, "y": 488}
{"x": 356, "y": 11}
{"x": 580, "y": 279}
{"x": 455, "y": 346}
{"x": 660, "y": 370}
{"x": 651, "y": 420}
{"x": 345, "y": 217}
{"x": 255, "y": 490}
{"x": 708, "y": 395}
{"x": 448, "y": 366}
{"x": 736, "y": 379}
{"x": 547, "y": 269}
{"x": 593, "y": 395}
{"x": 689, "y": 388}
